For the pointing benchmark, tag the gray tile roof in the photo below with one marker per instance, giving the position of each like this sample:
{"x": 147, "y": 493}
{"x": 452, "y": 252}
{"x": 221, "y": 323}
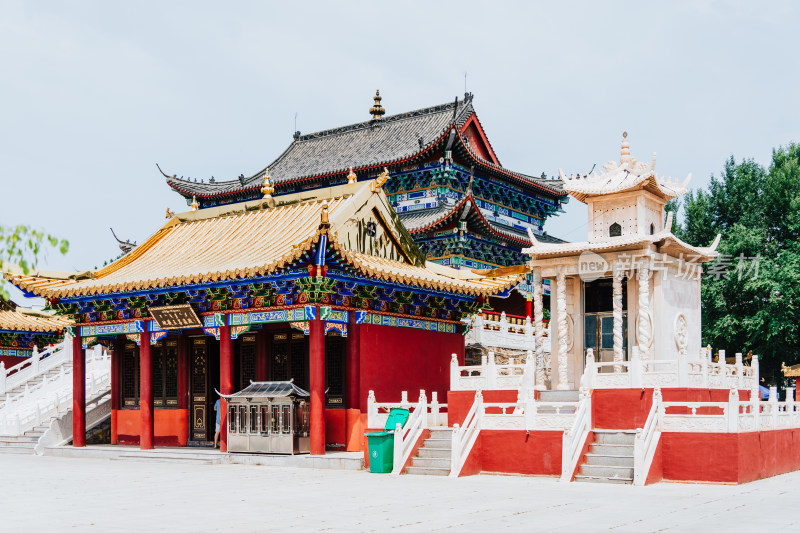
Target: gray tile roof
{"x": 366, "y": 144}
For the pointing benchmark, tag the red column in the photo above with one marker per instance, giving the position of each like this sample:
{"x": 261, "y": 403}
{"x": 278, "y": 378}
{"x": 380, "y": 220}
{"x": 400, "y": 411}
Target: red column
{"x": 528, "y": 312}
{"x": 262, "y": 355}
{"x": 225, "y": 382}
{"x": 116, "y": 353}
{"x": 78, "y": 392}
{"x": 316, "y": 362}
{"x": 146, "y": 436}
{"x": 353, "y": 363}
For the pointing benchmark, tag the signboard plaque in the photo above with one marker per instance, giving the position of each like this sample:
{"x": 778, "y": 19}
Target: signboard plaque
{"x": 175, "y": 316}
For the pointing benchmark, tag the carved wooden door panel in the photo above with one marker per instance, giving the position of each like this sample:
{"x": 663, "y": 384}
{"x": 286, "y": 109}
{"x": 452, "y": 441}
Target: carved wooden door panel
{"x": 199, "y": 390}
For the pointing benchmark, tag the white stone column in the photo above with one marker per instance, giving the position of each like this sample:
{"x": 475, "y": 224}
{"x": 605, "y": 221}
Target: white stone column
{"x": 563, "y": 341}
{"x": 617, "y": 306}
{"x": 644, "y": 328}
{"x": 538, "y": 318}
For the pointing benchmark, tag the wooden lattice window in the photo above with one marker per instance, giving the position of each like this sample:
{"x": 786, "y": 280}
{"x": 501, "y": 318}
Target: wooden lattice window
{"x": 130, "y": 376}
{"x": 247, "y": 360}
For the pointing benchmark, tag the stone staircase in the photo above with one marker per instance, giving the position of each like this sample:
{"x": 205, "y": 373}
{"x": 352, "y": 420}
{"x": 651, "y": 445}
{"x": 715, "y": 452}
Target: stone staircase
{"x": 609, "y": 459}
{"x": 35, "y": 381}
{"x": 434, "y": 456}
{"x": 555, "y": 396}
{"x": 22, "y": 444}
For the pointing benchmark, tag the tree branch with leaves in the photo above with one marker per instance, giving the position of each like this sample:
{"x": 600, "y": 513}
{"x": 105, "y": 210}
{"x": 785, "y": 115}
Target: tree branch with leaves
{"x": 22, "y": 247}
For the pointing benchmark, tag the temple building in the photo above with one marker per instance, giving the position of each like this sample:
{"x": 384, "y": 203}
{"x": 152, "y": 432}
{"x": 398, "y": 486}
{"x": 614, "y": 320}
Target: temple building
{"x": 460, "y": 205}
{"x": 323, "y": 287}
{"x": 24, "y": 330}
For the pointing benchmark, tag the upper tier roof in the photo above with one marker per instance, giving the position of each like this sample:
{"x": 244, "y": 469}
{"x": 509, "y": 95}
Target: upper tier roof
{"x": 253, "y": 239}
{"x": 627, "y": 175}
{"x": 364, "y": 145}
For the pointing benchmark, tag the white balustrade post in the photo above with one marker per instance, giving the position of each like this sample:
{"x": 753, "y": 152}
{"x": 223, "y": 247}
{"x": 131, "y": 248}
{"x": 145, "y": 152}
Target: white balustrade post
{"x": 529, "y": 372}
{"x": 789, "y": 395}
{"x": 733, "y": 410}
{"x": 756, "y": 377}
{"x": 398, "y": 445}
{"x": 773, "y": 406}
{"x": 635, "y": 368}
{"x": 705, "y": 358}
{"x": 435, "y": 409}
{"x": 372, "y": 410}
{"x": 503, "y": 325}
{"x": 739, "y": 371}
{"x": 455, "y": 373}
{"x": 683, "y": 370}
{"x": 478, "y": 328}
{"x": 530, "y": 410}
{"x": 404, "y": 400}
{"x": 490, "y": 383}
{"x": 35, "y": 360}
{"x": 590, "y": 370}
{"x": 423, "y": 406}
{"x": 2, "y": 378}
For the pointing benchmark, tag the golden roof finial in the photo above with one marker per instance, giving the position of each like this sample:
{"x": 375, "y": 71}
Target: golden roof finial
{"x": 267, "y": 189}
{"x": 626, "y": 148}
{"x": 324, "y": 222}
{"x": 194, "y": 203}
{"x": 382, "y": 178}
{"x": 351, "y": 178}
{"x": 377, "y": 111}
{"x": 170, "y": 214}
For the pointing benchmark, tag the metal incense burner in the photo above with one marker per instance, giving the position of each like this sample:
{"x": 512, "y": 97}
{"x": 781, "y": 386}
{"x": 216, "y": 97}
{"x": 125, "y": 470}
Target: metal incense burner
{"x": 269, "y": 417}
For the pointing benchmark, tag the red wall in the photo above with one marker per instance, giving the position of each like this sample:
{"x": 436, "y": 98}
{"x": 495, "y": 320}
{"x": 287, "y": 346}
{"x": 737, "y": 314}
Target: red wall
{"x": 10, "y": 361}
{"x": 335, "y": 427}
{"x": 171, "y": 426}
{"x": 405, "y": 359}
{"x": 519, "y": 452}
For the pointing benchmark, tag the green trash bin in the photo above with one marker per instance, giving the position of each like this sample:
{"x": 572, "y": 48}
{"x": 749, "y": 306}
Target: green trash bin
{"x": 381, "y": 444}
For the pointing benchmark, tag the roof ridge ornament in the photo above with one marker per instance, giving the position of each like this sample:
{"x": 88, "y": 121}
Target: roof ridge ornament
{"x": 351, "y": 178}
{"x": 382, "y": 178}
{"x": 324, "y": 221}
{"x": 267, "y": 189}
{"x": 625, "y": 152}
{"x": 194, "y": 205}
{"x": 377, "y": 111}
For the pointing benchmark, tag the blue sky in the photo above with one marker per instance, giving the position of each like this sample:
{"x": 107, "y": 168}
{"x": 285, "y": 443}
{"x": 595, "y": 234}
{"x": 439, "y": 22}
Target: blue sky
{"x": 96, "y": 93}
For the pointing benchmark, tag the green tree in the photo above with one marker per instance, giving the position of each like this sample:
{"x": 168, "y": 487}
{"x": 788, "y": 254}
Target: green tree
{"x": 22, "y": 247}
{"x": 751, "y": 296}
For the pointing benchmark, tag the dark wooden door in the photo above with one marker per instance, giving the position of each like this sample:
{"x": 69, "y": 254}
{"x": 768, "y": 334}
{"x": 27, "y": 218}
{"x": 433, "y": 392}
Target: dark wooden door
{"x": 199, "y": 389}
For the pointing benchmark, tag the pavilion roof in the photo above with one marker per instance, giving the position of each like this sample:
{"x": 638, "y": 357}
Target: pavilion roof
{"x": 627, "y": 175}
{"x": 33, "y": 321}
{"x": 465, "y": 209}
{"x": 363, "y": 146}
{"x": 664, "y": 241}
{"x": 253, "y": 239}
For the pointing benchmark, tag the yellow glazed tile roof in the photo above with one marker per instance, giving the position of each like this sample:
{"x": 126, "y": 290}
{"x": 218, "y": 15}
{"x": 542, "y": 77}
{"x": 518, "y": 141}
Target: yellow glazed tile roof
{"x": 245, "y": 240}
{"x": 31, "y": 321}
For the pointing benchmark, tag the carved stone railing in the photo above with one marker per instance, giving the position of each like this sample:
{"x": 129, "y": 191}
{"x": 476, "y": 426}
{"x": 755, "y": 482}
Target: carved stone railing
{"x": 733, "y": 416}
{"x": 465, "y": 435}
{"x": 52, "y": 397}
{"x": 405, "y": 437}
{"x": 700, "y": 372}
{"x": 575, "y": 436}
{"x": 502, "y": 331}
{"x": 36, "y": 365}
{"x": 646, "y": 442}
{"x": 59, "y": 432}
{"x": 378, "y": 413}
{"x": 491, "y": 376}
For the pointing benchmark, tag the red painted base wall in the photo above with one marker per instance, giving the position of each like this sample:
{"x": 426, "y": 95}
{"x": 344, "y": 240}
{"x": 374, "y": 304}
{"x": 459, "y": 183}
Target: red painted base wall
{"x": 404, "y": 359}
{"x": 10, "y": 361}
{"x": 171, "y": 426}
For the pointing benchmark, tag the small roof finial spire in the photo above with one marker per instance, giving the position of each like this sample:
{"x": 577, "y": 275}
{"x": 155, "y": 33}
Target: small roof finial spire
{"x": 626, "y": 148}
{"x": 267, "y": 189}
{"x": 352, "y": 178}
{"x": 377, "y": 111}
{"x": 324, "y": 221}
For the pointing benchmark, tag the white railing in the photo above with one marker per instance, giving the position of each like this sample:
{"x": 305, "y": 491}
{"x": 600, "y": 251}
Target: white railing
{"x": 464, "y": 436}
{"x": 491, "y": 376}
{"x": 646, "y": 442}
{"x": 406, "y": 437}
{"x": 34, "y": 406}
{"x": 733, "y": 416}
{"x": 34, "y": 366}
{"x": 378, "y": 413}
{"x": 59, "y": 432}
{"x": 575, "y": 437}
{"x": 700, "y": 372}
{"x": 515, "y": 333}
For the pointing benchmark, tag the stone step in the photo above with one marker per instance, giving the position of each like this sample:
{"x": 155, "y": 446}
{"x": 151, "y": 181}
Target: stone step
{"x": 428, "y": 471}
{"x": 441, "y": 433}
{"x": 595, "y": 479}
{"x": 11, "y": 441}
{"x": 17, "y": 450}
{"x": 432, "y": 462}
{"x": 609, "y": 460}
{"x": 432, "y": 453}
{"x": 614, "y": 472}
{"x": 611, "y": 449}
{"x": 559, "y": 396}
{"x": 614, "y": 437}
{"x": 439, "y": 444}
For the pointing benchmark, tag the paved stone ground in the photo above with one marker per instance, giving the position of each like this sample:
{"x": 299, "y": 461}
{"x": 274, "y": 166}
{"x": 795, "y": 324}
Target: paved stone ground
{"x": 67, "y": 494}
